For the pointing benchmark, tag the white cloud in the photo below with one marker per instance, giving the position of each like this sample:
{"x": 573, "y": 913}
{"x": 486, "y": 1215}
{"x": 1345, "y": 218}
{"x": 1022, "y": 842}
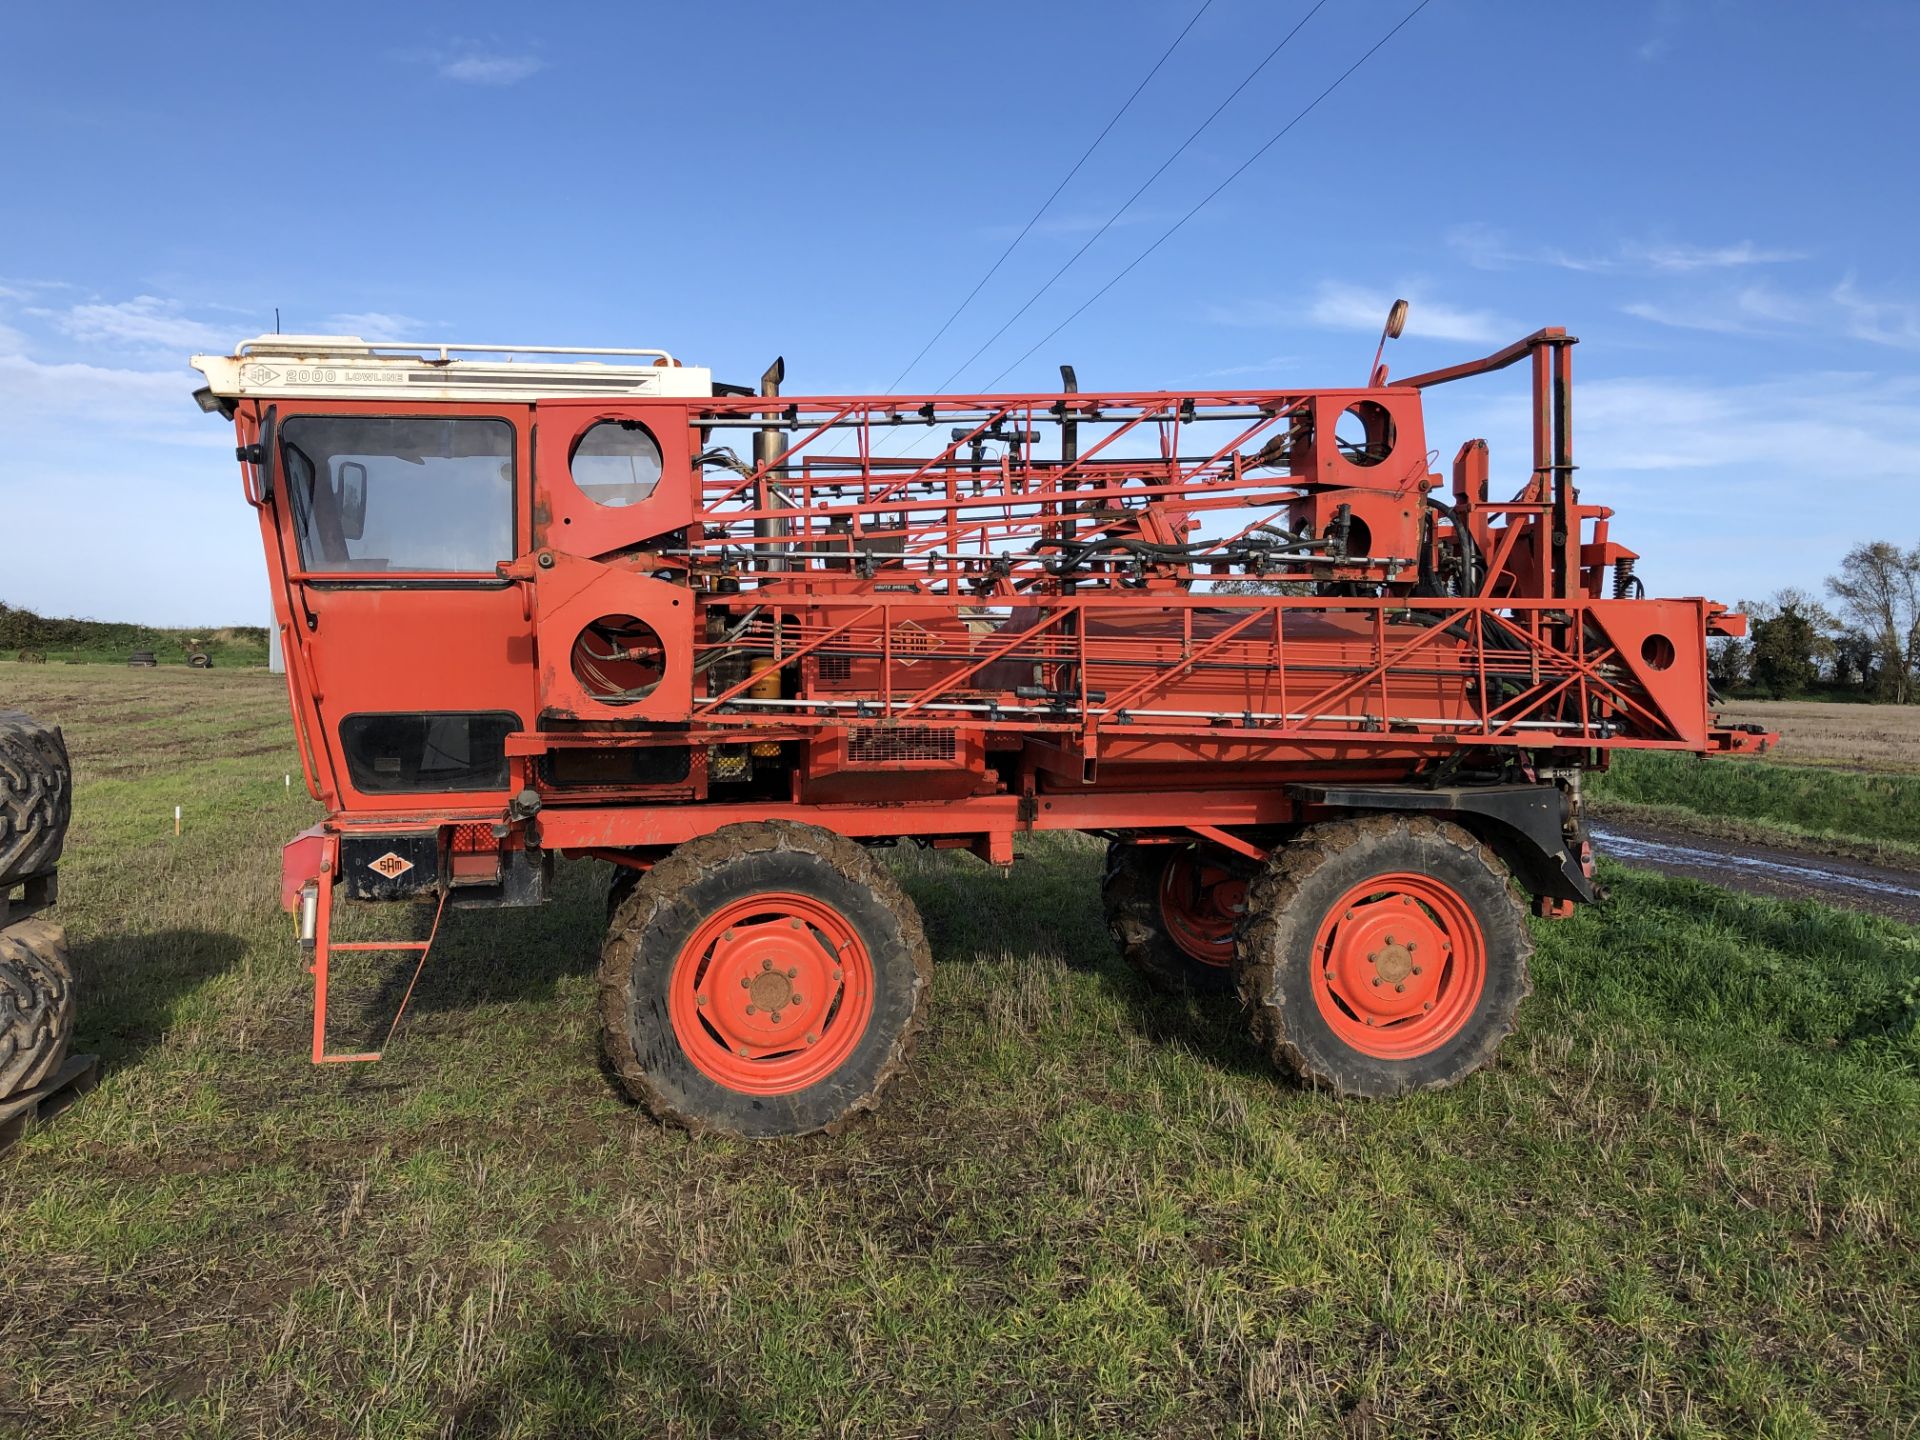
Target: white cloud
{"x": 474, "y": 68}
{"x": 45, "y": 405}
{"x": 144, "y": 323}
{"x": 375, "y": 325}
{"x": 1338, "y": 306}
{"x": 1762, "y": 310}
{"x": 1488, "y": 248}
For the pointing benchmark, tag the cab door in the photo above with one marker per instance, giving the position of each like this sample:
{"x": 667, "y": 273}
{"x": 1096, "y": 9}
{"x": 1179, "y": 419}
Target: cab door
{"x": 416, "y": 653}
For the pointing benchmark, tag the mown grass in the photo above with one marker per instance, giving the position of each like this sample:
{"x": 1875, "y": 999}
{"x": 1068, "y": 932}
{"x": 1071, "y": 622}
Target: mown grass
{"x": 1682, "y": 1202}
{"x": 1859, "y": 811}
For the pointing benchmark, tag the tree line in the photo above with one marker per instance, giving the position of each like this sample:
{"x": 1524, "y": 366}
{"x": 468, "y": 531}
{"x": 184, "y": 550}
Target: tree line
{"x": 1862, "y": 640}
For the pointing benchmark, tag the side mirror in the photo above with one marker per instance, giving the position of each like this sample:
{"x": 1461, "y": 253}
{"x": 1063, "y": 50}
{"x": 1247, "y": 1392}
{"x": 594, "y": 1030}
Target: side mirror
{"x": 350, "y": 498}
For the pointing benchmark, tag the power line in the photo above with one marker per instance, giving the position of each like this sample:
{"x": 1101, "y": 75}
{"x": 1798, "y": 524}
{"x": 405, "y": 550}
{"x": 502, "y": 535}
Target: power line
{"x": 1244, "y": 165}
{"x": 1045, "y": 204}
{"x": 1071, "y": 260}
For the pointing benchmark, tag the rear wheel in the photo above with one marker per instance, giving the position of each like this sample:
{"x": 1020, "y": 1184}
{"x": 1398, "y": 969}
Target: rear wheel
{"x": 763, "y": 980}
{"x": 1384, "y": 955}
{"x": 35, "y": 795}
{"x": 36, "y": 1004}
{"x": 1173, "y": 909}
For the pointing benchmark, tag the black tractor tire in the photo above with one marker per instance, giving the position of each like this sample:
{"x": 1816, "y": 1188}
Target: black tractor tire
{"x": 36, "y": 1004}
{"x": 1131, "y": 892}
{"x": 1326, "y": 984}
{"x": 657, "y": 946}
{"x": 36, "y": 795}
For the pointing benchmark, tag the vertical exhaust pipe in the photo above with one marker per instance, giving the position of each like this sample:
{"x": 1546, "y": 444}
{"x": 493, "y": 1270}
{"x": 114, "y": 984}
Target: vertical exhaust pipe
{"x": 768, "y": 444}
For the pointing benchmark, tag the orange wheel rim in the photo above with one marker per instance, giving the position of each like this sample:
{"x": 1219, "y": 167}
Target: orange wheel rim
{"x": 1200, "y": 904}
{"x": 771, "y": 994}
{"x": 1398, "y": 966}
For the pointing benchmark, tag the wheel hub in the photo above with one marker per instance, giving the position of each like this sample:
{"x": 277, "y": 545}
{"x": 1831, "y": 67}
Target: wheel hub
{"x": 781, "y": 988}
{"x": 1400, "y": 965}
{"x": 1200, "y": 905}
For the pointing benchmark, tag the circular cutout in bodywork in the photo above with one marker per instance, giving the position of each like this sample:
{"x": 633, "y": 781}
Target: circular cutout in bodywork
{"x": 619, "y": 660}
{"x": 1658, "y": 652}
{"x": 616, "y": 463}
{"x": 1364, "y": 433}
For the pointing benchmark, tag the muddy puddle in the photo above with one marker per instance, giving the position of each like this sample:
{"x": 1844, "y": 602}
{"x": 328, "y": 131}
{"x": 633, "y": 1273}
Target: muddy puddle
{"x": 1760, "y": 870}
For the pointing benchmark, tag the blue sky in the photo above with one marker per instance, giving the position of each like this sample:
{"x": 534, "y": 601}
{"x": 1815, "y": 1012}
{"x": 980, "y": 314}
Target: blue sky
{"x": 1717, "y": 198}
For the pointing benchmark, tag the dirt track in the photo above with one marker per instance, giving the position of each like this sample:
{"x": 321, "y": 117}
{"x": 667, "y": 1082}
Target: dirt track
{"x": 1760, "y": 870}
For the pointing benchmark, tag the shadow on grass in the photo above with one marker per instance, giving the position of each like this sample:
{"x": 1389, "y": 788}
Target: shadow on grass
{"x": 583, "y": 1378}
{"x": 1048, "y": 909}
{"x": 128, "y": 985}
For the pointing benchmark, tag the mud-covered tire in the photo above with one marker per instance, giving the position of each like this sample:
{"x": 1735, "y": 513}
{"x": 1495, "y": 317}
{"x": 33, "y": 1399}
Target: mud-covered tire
{"x": 619, "y": 886}
{"x": 36, "y": 1004}
{"x": 36, "y": 795}
{"x": 1132, "y": 894}
{"x": 676, "y": 991}
{"x": 1340, "y": 999}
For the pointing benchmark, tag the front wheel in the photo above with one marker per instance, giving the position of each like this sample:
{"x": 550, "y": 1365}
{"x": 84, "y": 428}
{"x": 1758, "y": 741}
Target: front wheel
{"x": 762, "y": 980}
{"x": 1383, "y": 955}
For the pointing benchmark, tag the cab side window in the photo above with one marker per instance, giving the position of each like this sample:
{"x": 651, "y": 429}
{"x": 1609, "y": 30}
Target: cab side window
{"x": 375, "y": 493}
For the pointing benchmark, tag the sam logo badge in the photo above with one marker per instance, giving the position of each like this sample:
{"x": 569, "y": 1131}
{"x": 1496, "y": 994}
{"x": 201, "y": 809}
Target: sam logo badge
{"x": 390, "y": 865}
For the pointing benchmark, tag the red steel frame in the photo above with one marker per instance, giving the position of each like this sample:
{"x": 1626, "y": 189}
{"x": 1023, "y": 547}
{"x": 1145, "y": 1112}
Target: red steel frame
{"x": 1044, "y": 618}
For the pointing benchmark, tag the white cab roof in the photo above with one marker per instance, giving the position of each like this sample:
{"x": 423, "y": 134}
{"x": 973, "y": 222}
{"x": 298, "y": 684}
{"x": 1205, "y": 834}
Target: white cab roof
{"x": 345, "y": 367}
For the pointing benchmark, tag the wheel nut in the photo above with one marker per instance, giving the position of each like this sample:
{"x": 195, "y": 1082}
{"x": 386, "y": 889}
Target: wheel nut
{"x": 745, "y": 983}
{"x": 775, "y": 1017}
{"x": 727, "y": 936}
{"x": 1376, "y": 979}
{"x": 753, "y": 1009}
{"x": 1400, "y": 989}
{"x": 743, "y": 1050}
{"x": 794, "y": 923}
{"x": 813, "y": 1039}
{"x": 1416, "y": 969}
{"x": 793, "y": 973}
{"x": 836, "y": 974}
{"x": 1427, "y": 1006}
{"x": 699, "y": 999}
{"x": 794, "y": 999}
{"x": 766, "y": 964}
{"x": 1389, "y": 939}
{"x": 1349, "y": 914}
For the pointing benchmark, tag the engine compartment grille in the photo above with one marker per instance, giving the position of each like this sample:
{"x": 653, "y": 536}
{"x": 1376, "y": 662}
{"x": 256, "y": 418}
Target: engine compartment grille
{"x": 894, "y": 743}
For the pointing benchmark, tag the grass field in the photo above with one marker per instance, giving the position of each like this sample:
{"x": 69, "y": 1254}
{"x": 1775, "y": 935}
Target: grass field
{"x": 1684, "y": 1202}
{"x": 1845, "y": 778}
